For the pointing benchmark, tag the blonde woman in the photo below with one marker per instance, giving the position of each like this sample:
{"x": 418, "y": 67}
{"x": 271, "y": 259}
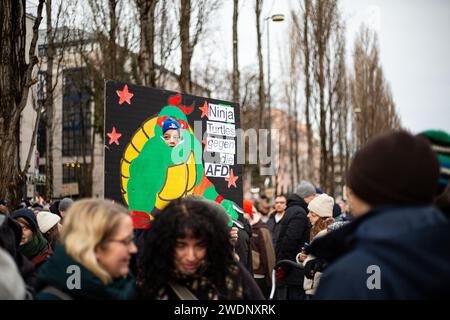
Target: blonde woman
{"x": 321, "y": 216}
{"x": 92, "y": 261}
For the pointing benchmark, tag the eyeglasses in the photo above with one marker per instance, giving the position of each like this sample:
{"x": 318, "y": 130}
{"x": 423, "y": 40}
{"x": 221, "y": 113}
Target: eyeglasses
{"x": 126, "y": 242}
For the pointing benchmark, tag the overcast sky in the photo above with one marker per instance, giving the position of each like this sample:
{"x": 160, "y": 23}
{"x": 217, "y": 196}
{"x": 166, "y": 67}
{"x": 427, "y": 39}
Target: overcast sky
{"x": 414, "y": 38}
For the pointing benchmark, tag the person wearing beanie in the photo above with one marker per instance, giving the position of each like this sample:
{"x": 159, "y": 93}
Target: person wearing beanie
{"x": 10, "y": 237}
{"x": 398, "y": 242}
{"x": 33, "y": 245}
{"x": 321, "y": 216}
{"x": 49, "y": 226}
{"x": 64, "y": 206}
{"x": 248, "y": 209}
{"x": 393, "y": 169}
{"x": 4, "y": 207}
{"x": 171, "y": 132}
{"x": 440, "y": 143}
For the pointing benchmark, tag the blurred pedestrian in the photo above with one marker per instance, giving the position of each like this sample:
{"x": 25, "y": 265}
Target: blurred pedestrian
{"x": 10, "y": 238}
{"x": 33, "y": 245}
{"x": 321, "y": 216}
{"x": 398, "y": 242}
{"x": 263, "y": 253}
{"x": 440, "y": 143}
{"x": 4, "y": 207}
{"x": 64, "y": 206}
{"x": 295, "y": 226}
{"x": 275, "y": 218}
{"x": 96, "y": 244}
{"x": 49, "y": 226}
{"x": 12, "y": 286}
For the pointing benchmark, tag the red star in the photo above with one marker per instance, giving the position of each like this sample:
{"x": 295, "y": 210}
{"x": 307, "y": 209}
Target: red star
{"x": 114, "y": 136}
{"x": 124, "y": 95}
{"x": 204, "y": 110}
{"x": 231, "y": 179}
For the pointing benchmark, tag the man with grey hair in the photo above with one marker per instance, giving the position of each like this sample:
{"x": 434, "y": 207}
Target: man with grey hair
{"x": 295, "y": 225}
{"x": 294, "y": 232}
{"x": 306, "y": 190}
{"x": 64, "y": 205}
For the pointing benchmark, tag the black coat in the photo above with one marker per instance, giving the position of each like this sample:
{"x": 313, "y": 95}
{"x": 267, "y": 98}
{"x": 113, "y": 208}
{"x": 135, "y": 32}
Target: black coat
{"x": 294, "y": 229}
{"x": 243, "y": 247}
{"x": 409, "y": 248}
{"x": 274, "y": 228}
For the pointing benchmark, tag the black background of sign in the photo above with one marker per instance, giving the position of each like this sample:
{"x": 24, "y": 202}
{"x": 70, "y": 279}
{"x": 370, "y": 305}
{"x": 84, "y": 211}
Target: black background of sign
{"x": 146, "y": 103}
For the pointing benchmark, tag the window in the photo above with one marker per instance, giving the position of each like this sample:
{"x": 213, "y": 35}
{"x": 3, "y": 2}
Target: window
{"x": 76, "y": 135}
{"x": 71, "y": 172}
{"x": 42, "y": 75}
{"x": 42, "y": 50}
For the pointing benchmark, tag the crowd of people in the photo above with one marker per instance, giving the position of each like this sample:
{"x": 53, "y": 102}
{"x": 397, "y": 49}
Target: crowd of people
{"x": 387, "y": 238}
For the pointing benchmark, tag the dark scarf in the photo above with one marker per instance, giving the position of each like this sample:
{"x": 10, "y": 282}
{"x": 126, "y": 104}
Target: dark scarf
{"x": 35, "y": 246}
{"x": 54, "y": 273}
{"x": 203, "y": 288}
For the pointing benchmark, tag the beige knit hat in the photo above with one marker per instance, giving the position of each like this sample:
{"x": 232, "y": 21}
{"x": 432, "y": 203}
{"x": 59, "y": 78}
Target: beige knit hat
{"x": 47, "y": 220}
{"x": 322, "y": 205}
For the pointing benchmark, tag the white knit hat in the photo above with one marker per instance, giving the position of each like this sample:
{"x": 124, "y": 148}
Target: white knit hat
{"x": 47, "y": 220}
{"x": 322, "y": 205}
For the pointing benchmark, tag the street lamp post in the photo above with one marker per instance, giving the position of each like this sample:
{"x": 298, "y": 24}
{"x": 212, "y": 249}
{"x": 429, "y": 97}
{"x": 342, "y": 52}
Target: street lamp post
{"x": 275, "y": 18}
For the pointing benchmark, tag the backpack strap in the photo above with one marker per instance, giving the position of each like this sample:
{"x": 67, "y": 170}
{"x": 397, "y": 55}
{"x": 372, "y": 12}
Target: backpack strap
{"x": 57, "y": 293}
{"x": 182, "y": 292}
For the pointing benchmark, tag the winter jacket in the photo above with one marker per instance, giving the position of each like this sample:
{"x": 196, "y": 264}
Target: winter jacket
{"x": 389, "y": 253}
{"x": 310, "y": 285}
{"x": 274, "y": 228}
{"x": 55, "y": 273}
{"x": 243, "y": 249}
{"x": 294, "y": 229}
{"x": 263, "y": 253}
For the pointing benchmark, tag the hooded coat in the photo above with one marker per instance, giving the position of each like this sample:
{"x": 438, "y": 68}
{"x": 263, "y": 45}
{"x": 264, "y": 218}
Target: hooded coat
{"x": 390, "y": 253}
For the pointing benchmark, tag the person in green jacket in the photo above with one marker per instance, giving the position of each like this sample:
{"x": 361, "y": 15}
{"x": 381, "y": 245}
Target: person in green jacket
{"x": 92, "y": 261}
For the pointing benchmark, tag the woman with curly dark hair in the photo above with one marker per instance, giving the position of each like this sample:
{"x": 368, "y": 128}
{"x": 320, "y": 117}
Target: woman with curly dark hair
{"x": 188, "y": 255}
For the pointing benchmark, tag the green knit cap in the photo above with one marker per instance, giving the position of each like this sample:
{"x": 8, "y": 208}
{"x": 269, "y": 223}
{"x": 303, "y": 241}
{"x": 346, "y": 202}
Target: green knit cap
{"x": 440, "y": 143}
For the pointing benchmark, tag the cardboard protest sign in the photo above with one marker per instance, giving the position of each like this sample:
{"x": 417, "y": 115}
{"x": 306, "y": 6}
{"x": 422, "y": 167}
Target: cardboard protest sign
{"x": 162, "y": 145}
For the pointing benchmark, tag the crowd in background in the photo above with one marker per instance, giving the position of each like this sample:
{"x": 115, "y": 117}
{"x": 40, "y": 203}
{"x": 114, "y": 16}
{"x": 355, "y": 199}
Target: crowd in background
{"x": 387, "y": 237}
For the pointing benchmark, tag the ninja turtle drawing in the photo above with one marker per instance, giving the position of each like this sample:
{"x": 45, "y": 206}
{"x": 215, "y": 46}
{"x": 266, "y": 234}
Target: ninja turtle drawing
{"x": 163, "y": 162}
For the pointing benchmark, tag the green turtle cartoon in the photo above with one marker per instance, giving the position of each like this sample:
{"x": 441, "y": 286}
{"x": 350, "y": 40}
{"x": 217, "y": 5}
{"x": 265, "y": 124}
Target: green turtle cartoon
{"x": 163, "y": 162}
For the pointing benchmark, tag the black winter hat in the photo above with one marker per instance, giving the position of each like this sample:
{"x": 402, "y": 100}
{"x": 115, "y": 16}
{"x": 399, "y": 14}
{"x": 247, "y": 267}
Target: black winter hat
{"x": 395, "y": 168}
{"x": 28, "y": 215}
{"x": 16, "y": 229}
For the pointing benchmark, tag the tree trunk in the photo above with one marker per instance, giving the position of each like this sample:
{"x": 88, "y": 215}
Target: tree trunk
{"x": 15, "y": 82}
{"x": 112, "y": 39}
{"x": 146, "y": 10}
{"x": 306, "y": 68}
{"x": 261, "y": 89}
{"x": 49, "y": 111}
{"x": 186, "y": 49}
